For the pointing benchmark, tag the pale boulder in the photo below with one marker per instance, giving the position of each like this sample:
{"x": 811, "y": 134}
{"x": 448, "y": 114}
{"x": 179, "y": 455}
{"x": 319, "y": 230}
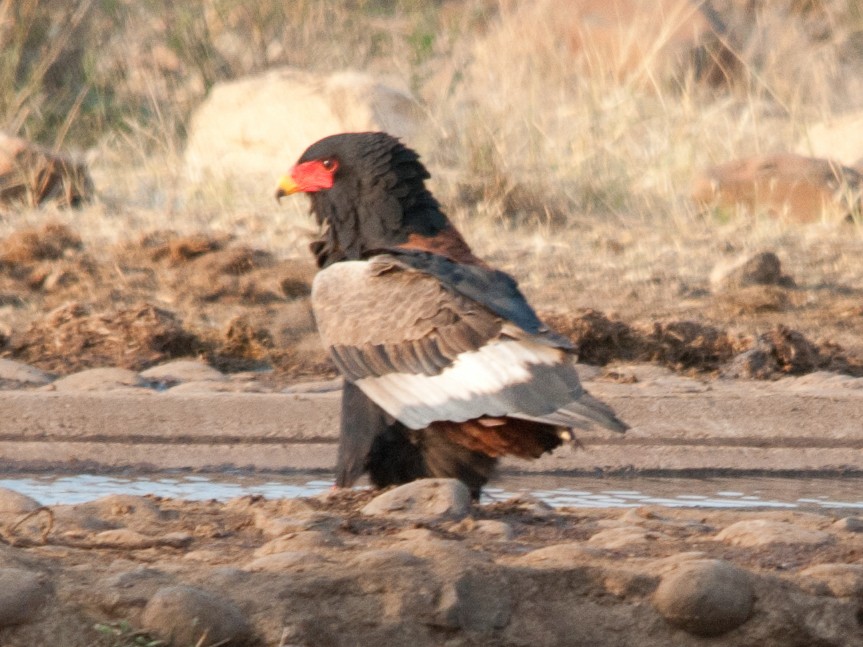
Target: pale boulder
{"x": 783, "y": 185}
{"x": 252, "y": 129}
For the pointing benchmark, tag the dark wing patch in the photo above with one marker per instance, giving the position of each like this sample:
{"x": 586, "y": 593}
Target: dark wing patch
{"x": 491, "y": 288}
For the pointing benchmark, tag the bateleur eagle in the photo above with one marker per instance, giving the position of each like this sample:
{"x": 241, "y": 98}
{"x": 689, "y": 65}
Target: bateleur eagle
{"x": 446, "y": 366}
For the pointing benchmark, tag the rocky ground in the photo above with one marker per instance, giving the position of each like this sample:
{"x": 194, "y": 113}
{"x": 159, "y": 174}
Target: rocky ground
{"x": 421, "y": 565}
{"x": 323, "y": 572}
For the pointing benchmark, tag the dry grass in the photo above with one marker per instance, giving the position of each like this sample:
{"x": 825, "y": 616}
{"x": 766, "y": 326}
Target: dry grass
{"x": 559, "y": 167}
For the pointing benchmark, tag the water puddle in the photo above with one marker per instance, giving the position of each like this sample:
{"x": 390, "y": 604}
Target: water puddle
{"x": 575, "y": 492}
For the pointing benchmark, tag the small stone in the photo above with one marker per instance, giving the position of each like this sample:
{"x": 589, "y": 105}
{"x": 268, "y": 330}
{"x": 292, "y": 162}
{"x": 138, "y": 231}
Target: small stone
{"x": 478, "y": 600}
{"x": 494, "y": 528}
{"x": 614, "y": 538}
{"x": 373, "y": 560}
{"x": 123, "y": 538}
{"x": 705, "y": 597}
{"x": 559, "y": 555}
{"x": 180, "y": 371}
{"x": 304, "y": 540}
{"x": 22, "y": 595}
{"x": 100, "y": 379}
{"x": 425, "y": 498}
{"x": 762, "y": 532}
{"x": 849, "y": 524}
{"x": 185, "y": 615}
{"x": 24, "y": 374}
{"x": 763, "y": 268}
{"x": 12, "y": 502}
{"x": 840, "y": 580}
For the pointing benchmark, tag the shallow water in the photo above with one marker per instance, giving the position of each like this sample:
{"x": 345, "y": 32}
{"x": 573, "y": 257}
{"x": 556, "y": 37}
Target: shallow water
{"x": 574, "y": 491}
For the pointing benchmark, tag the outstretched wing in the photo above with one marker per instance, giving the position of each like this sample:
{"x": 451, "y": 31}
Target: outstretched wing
{"x": 424, "y": 352}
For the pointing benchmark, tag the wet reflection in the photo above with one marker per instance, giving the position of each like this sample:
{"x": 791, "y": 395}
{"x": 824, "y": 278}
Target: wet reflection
{"x": 575, "y": 492}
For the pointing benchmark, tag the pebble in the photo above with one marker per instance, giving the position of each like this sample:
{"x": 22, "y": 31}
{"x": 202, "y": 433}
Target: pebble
{"x": 705, "y": 597}
{"x": 180, "y": 371}
{"x": 186, "y": 615}
{"x": 614, "y": 538}
{"x": 423, "y": 499}
{"x": 24, "y": 374}
{"x": 22, "y": 595}
{"x": 762, "y": 532}
{"x": 100, "y": 379}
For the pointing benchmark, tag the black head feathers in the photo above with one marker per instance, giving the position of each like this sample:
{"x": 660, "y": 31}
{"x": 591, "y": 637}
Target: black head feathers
{"x": 377, "y": 197}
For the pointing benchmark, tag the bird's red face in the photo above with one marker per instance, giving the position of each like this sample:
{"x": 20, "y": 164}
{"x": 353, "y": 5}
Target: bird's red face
{"x": 309, "y": 177}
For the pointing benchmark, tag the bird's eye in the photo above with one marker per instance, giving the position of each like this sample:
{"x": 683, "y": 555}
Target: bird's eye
{"x": 330, "y": 163}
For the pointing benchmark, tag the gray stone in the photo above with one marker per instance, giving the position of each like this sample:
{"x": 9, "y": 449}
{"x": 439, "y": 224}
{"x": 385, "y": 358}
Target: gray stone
{"x": 22, "y": 595}
{"x": 478, "y": 600}
{"x": 100, "y": 379}
{"x": 185, "y": 615}
{"x": 849, "y": 524}
{"x": 763, "y": 268}
{"x": 425, "y": 498}
{"x": 24, "y": 374}
{"x": 182, "y": 370}
{"x": 705, "y": 597}
{"x": 12, "y": 502}
{"x": 762, "y": 532}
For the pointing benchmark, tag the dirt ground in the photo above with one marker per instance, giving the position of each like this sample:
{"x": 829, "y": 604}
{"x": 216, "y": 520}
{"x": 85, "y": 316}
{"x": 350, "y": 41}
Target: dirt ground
{"x": 318, "y": 571}
{"x": 70, "y": 303}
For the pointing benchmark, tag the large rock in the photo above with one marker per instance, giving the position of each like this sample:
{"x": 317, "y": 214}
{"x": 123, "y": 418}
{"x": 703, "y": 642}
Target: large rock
{"x": 32, "y": 174}
{"x": 839, "y": 138}
{"x": 22, "y": 595}
{"x": 18, "y": 373}
{"x": 185, "y": 615}
{"x": 623, "y": 39}
{"x": 763, "y": 532}
{"x": 705, "y": 597}
{"x": 801, "y": 189}
{"x": 423, "y": 499}
{"x": 249, "y": 127}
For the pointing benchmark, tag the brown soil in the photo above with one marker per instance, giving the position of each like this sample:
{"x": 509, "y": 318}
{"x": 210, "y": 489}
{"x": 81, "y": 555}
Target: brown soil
{"x": 69, "y": 304}
{"x": 164, "y": 296}
{"x": 378, "y": 580}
